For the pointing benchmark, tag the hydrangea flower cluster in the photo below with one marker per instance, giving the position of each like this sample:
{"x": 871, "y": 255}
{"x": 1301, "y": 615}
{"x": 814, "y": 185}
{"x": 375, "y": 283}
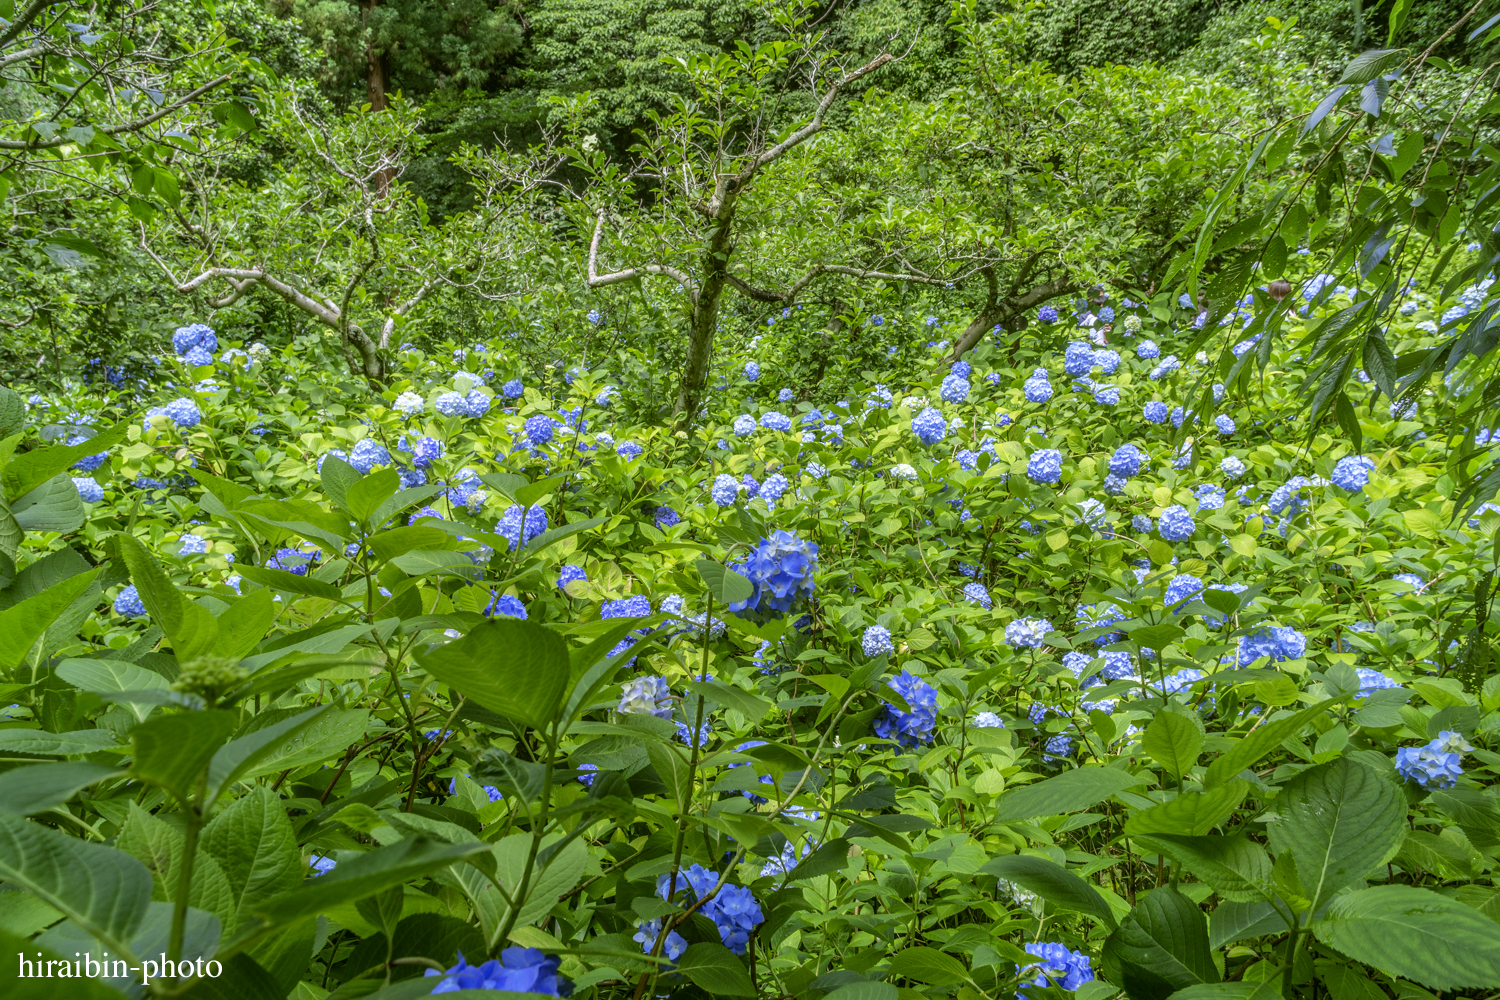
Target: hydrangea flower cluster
{"x": 646, "y": 695}
{"x": 1436, "y": 765}
{"x": 913, "y": 728}
{"x": 977, "y": 594}
{"x": 732, "y": 909}
{"x": 1045, "y": 466}
{"x": 929, "y": 426}
{"x": 1278, "y": 642}
{"x": 1352, "y": 472}
{"x": 517, "y": 970}
{"x": 1037, "y": 388}
{"x": 1059, "y": 965}
{"x": 876, "y": 641}
{"x": 775, "y": 420}
{"x": 1176, "y": 524}
{"x": 532, "y": 521}
{"x": 781, "y": 570}
{"x": 1027, "y": 633}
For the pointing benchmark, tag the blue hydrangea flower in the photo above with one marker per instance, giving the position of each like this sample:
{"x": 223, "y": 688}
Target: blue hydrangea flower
{"x": 976, "y": 593}
{"x": 426, "y": 451}
{"x": 629, "y": 450}
{"x": 1177, "y": 524}
{"x": 1414, "y": 583}
{"x": 409, "y": 404}
{"x": 647, "y": 933}
{"x": 192, "y": 545}
{"x": 1107, "y": 360}
{"x": 1027, "y": 633}
{"x": 961, "y": 368}
{"x": 733, "y": 909}
{"x": 1289, "y": 494}
{"x": 781, "y": 570}
{"x": 1078, "y": 358}
{"x": 725, "y": 490}
{"x": 1224, "y": 424}
{"x": 128, "y": 603}
{"x": 987, "y": 720}
{"x": 1107, "y": 395}
{"x": 635, "y": 606}
{"x": 185, "y": 338}
{"x": 646, "y": 695}
{"x": 752, "y": 371}
{"x": 1155, "y": 411}
{"x": 929, "y": 426}
{"x": 665, "y": 517}
{"x": 1142, "y": 523}
{"x": 1045, "y": 466}
{"x": 511, "y": 524}
{"x": 451, "y": 404}
{"x": 1147, "y": 349}
{"x": 606, "y": 394}
{"x": 1098, "y": 616}
{"x": 1183, "y": 586}
{"x": 1429, "y": 766}
{"x": 877, "y": 641}
{"x": 513, "y": 389}
{"x": 784, "y": 396}
{"x": 1047, "y": 314}
{"x": 1057, "y": 747}
{"x": 198, "y": 357}
{"x": 880, "y": 397}
{"x": 705, "y": 731}
{"x": 1107, "y": 314}
{"x": 1210, "y": 496}
{"x": 295, "y": 561}
{"x": 1127, "y": 460}
{"x": 568, "y": 574}
{"x": 1178, "y": 415}
{"x": 775, "y": 420}
{"x": 775, "y": 485}
{"x": 1165, "y": 367}
{"x": 1276, "y": 642}
{"x": 1232, "y": 467}
{"x": 1352, "y": 472}
{"x": 183, "y": 412}
{"x": 88, "y": 489}
{"x": 955, "y": 388}
{"x": 505, "y": 604}
{"x": 367, "y": 454}
{"x": 517, "y": 970}
{"x": 913, "y": 728}
{"x": 539, "y": 430}
{"x": 744, "y": 425}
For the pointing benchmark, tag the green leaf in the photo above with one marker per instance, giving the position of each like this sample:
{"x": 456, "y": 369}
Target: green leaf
{"x": 35, "y": 741}
{"x": 369, "y": 494}
{"x": 23, "y": 624}
{"x": 726, "y": 586}
{"x": 1235, "y": 921}
{"x": 109, "y": 677}
{"x": 1368, "y": 65}
{"x": 41, "y": 987}
{"x": 1252, "y": 748}
{"x": 12, "y": 412}
{"x": 1193, "y": 814}
{"x": 363, "y": 876}
{"x": 103, "y": 890}
{"x": 39, "y": 787}
{"x": 1268, "y": 990}
{"x": 1157, "y": 636}
{"x": 1070, "y": 791}
{"x": 518, "y": 669}
{"x": 864, "y": 991}
{"x": 255, "y": 845}
{"x": 239, "y": 758}
{"x": 290, "y": 583}
{"x": 554, "y": 535}
{"x": 928, "y": 965}
{"x": 325, "y": 643}
{"x": 1052, "y": 882}
{"x": 173, "y": 751}
{"x": 27, "y": 471}
{"x": 1415, "y": 934}
{"x": 1338, "y": 821}
{"x": 827, "y": 859}
{"x": 1161, "y": 946}
{"x": 714, "y": 969}
{"x": 191, "y": 628}
{"x": 549, "y": 882}
{"x": 1174, "y": 740}
{"x": 338, "y": 477}
{"x": 1236, "y": 867}
{"x": 52, "y": 506}
{"x": 244, "y": 624}
{"x": 752, "y": 707}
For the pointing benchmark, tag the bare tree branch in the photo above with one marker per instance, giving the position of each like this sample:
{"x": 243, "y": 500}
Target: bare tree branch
{"x": 597, "y": 280}
{"x": 135, "y": 126}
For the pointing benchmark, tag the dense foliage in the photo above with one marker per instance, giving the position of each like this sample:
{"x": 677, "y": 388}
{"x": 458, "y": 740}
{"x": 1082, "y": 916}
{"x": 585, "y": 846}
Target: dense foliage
{"x": 739, "y": 508}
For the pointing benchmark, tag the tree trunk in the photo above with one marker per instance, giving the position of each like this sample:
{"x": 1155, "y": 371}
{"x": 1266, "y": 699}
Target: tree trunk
{"x": 375, "y": 93}
{"x": 705, "y": 320}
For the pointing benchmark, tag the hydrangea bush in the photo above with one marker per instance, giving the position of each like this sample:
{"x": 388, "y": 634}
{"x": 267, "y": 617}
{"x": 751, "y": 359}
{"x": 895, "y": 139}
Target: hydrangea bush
{"x": 999, "y": 689}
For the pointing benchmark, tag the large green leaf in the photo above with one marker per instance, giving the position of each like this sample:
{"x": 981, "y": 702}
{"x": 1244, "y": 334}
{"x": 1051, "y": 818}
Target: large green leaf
{"x": 23, "y": 624}
{"x": 1193, "y": 814}
{"x": 369, "y": 494}
{"x": 1068, "y": 792}
{"x": 928, "y": 965}
{"x": 1268, "y": 990}
{"x": 33, "y": 789}
{"x": 1338, "y": 821}
{"x": 173, "y": 751}
{"x": 518, "y": 669}
{"x": 548, "y": 882}
{"x": 104, "y": 890}
{"x": 255, "y": 845}
{"x": 244, "y": 624}
{"x": 327, "y": 735}
{"x": 35, "y": 741}
{"x": 1161, "y": 946}
{"x": 363, "y": 876}
{"x": 160, "y": 846}
{"x": 1415, "y": 934}
{"x": 25, "y": 472}
{"x": 53, "y": 506}
{"x": 191, "y": 628}
{"x": 1236, "y": 867}
{"x": 714, "y": 969}
{"x": 1052, "y": 882}
{"x": 291, "y": 583}
{"x": 727, "y": 586}
{"x": 112, "y": 677}
{"x": 238, "y": 758}
{"x": 1174, "y": 740}
{"x": 1261, "y": 742}
{"x": 26, "y": 984}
